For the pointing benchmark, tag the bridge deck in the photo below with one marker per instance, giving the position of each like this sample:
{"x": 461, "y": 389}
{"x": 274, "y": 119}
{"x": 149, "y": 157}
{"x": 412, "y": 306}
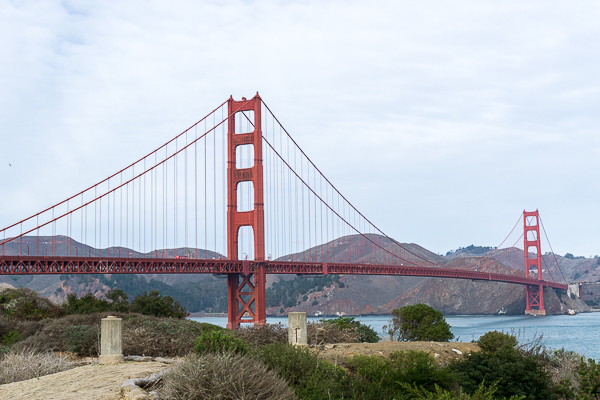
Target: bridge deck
{"x": 26, "y": 265}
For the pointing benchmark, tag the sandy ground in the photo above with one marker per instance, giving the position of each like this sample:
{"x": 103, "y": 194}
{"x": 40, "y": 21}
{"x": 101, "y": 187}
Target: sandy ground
{"x": 91, "y": 382}
{"x": 443, "y": 352}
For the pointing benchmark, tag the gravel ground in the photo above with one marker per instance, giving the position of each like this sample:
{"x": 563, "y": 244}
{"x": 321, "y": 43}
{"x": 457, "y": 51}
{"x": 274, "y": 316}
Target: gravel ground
{"x": 91, "y": 382}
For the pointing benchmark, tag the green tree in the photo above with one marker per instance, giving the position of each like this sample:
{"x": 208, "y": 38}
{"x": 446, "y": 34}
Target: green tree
{"x": 119, "y": 300}
{"x": 154, "y": 303}
{"x": 418, "y": 322}
{"x": 87, "y": 304}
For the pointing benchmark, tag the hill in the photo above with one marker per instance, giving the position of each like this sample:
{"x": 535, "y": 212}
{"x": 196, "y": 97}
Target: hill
{"x": 350, "y": 295}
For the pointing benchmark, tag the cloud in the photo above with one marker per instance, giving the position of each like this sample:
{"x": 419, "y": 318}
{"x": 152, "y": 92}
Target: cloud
{"x": 434, "y": 118}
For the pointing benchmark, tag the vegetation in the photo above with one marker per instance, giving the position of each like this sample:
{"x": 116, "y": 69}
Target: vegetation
{"x": 20, "y": 366}
{"x": 26, "y": 305}
{"x": 219, "y": 342}
{"x": 201, "y": 294}
{"x": 418, "y": 322}
{"x": 366, "y": 334}
{"x": 310, "y": 377}
{"x": 152, "y": 303}
{"x": 391, "y": 376}
{"x": 287, "y": 292}
{"x": 223, "y": 376}
{"x": 517, "y": 371}
{"x": 267, "y": 367}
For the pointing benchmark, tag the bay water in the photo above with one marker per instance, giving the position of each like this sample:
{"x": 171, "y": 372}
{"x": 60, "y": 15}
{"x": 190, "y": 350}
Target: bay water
{"x": 579, "y": 333}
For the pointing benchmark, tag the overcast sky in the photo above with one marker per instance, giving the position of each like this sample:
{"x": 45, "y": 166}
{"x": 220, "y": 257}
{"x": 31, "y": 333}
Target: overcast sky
{"x": 441, "y": 121}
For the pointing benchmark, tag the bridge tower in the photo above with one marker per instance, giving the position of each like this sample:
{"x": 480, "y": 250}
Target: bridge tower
{"x": 531, "y": 237}
{"x": 246, "y": 291}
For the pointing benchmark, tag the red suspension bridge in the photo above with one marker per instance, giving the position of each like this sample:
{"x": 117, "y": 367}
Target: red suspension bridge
{"x": 238, "y": 186}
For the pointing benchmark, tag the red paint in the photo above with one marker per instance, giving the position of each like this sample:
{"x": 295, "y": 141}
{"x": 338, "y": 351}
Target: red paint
{"x": 246, "y": 291}
{"x": 531, "y": 239}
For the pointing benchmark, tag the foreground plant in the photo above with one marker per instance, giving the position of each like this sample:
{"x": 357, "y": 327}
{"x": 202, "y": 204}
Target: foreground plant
{"x": 16, "y": 367}
{"x": 223, "y": 376}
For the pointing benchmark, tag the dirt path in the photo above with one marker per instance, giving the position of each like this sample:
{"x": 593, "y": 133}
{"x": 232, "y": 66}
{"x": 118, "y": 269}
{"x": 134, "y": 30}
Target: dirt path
{"x": 91, "y": 382}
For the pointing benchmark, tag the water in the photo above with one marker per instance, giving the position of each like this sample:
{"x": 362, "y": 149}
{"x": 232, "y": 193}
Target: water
{"x": 577, "y": 333}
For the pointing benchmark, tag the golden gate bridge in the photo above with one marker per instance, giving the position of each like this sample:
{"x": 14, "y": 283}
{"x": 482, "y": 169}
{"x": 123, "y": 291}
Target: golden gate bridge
{"x": 238, "y": 185}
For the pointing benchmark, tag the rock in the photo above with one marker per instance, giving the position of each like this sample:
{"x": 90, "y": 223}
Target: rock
{"x": 457, "y": 351}
{"x": 138, "y": 358}
{"x": 165, "y": 360}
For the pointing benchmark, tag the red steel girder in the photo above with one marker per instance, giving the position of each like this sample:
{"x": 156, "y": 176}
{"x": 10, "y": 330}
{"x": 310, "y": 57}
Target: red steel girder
{"x": 34, "y": 265}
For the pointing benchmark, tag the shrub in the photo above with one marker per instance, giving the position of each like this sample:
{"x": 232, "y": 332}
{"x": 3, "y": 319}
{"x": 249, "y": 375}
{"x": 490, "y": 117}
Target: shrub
{"x": 589, "y": 380}
{"x": 164, "y": 337}
{"x": 15, "y": 367}
{"x": 11, "y": 338}
{"x": 418, "y": 322}
{"x": 219, "y": 342}
{"x": 562, "y": 366}
{"x": 365, "y": 334}
{"x": 25, "y": 304}
{"x": 223, "y": 376}
{"x": 482, "y": 393}
{"x": 311, "y": 378}
{"x": 413, "y": 368}
{"x": 332, "y": 333}
{"x": 82, "y": 339}
{"x": 154, "y": 303}
{"x": 494, "y": 341}
{"x": 260, "y": 335}
{"x": 517, "y": 372}
{"x": 142, "y": 335}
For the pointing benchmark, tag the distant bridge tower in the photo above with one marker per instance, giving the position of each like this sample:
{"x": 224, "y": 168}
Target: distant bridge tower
{"x": 246, "y": 291}
{"x": 531, "y": 237}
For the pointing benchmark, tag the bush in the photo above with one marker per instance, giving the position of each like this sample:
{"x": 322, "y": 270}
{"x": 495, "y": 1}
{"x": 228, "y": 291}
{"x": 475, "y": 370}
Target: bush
{"x": 413, "y": 368}
{"x": 219, "y": 342}
{"x": 517, "y": 372}
{"x": 24, "y": 304}
{"x": 16, "y": 367}
{"x": 494, "y": 341}
{"x": 223, "y": 376}
{"x": 260, "y": 335}
{"x": 164, "y": 337}
{"x": 82, "y": 339}
{"x": 418, "y": 322}
{"x": 482, "y": 393}
{"x": 142, "y": 335}
{"x": 332, "y": 333}
{"x": 154, "y": 303}
{"x": 589, "y": 380}
{"x": 365, "y": 334}
{"x": 311, "y": 378}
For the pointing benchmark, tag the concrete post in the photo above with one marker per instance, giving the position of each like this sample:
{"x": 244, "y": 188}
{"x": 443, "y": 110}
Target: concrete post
{"x": 111, "y": 340}
{"x": 297, "y": 328}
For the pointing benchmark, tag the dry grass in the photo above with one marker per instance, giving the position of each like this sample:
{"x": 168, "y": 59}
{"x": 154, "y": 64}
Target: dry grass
{"x": 260, "y": 335}
{"x": 331, "y": 334}
{"x": 16, "y": 367}
{"x": 563, "y": 365}
{"x": 223, "y": 377}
